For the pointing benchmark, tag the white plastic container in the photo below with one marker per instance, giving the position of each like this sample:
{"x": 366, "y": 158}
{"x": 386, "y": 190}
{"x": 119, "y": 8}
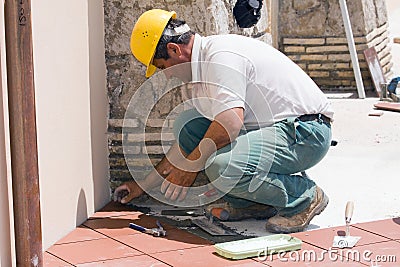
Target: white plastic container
{"x": 258, "y": 246}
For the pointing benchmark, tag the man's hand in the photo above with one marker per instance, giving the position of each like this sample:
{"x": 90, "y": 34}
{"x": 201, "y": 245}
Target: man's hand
{"x": 177, "y": 183}
{"x": 126, "y": 192}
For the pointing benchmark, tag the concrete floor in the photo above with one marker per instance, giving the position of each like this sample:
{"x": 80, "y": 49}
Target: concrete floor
{"x": 363, "y": 167}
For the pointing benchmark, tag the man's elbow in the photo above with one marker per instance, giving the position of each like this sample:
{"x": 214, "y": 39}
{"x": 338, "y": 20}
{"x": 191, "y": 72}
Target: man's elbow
{"x": 234, "y": 129}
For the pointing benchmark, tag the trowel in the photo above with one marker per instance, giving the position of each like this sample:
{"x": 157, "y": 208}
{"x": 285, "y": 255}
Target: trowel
{"x": 346, "y": 241}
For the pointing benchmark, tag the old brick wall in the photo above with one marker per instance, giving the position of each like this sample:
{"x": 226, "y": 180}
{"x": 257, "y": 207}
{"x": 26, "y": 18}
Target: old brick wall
{"x": 125, "y": 75}
{"x": 312, "y": 34}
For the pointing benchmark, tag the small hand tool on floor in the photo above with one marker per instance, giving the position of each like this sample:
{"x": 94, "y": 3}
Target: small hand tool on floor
{"x": 346, "y": 241}
{"x": 153, "y": 231}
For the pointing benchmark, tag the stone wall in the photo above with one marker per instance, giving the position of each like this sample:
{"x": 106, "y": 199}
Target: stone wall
{"x": 125, "y": 75}
{"x": 312, "y": 34}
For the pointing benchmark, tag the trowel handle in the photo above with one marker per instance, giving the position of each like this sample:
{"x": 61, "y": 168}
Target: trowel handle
{"x": 349, "y": 211}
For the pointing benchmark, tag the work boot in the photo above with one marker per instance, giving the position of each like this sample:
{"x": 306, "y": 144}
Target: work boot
{"x": 225, "y": 212}
{"x": 298, "y": 222}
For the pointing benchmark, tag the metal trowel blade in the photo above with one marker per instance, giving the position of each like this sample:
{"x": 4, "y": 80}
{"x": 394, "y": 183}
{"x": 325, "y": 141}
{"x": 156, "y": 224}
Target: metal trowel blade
{"x": 345, "y": 241}
{"x": 212, "y": 228}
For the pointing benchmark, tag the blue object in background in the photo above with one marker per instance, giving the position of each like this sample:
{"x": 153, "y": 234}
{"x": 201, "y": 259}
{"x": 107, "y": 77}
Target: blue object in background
{"x": 393, "y": 85}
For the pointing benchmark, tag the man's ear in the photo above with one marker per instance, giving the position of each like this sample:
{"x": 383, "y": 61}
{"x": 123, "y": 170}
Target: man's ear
{"x": 174, "y": 50}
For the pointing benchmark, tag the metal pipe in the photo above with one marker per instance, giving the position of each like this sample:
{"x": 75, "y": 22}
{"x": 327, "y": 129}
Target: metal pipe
{"x": 352, "y": 48}
{"x": 24, "y": 158}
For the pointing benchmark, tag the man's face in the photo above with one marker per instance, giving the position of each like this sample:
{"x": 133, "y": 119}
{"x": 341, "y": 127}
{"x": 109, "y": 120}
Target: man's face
{"x": 174, "y": 66}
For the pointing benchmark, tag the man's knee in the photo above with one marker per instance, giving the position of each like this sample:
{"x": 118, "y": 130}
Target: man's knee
{"x": 215, "y": 166}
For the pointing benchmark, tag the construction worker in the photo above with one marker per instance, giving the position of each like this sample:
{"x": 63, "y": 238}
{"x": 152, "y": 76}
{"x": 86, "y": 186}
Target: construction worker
{"x": 265, "y": 122}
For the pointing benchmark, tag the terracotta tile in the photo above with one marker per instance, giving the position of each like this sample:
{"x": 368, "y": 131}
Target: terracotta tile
{"x": 119, "y": 226}
{"x": 389, "y": 228}
{"x": 92, "y": 250}
{"x": 323, "y": 238}
{"x": 176, "y": 239}
{"x": 52, "y": 261}
{"x": 384, "y": 254}
{"x": 137, "y": 261}
{"x": 201, "y": 256}
{"x": 81, "y": 233}
{"x": 114, "y": 209}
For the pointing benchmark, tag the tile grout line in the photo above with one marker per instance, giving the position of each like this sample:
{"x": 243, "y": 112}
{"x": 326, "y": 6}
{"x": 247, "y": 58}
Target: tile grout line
{"x": 253, "y": 259}
{"x": 324, "y": 249}
{"x": 390, "y": 239}
{"x": 144, "y": 253}
{"x": 72, "y": 242}
{"x": 107, "y": 236}
{"x": 60, "y": 258}
{"x": 119, "y": 258}
{"x": 112, "y": 216}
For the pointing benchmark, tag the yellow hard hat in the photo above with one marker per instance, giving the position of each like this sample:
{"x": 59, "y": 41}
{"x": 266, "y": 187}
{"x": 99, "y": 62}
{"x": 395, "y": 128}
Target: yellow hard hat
{"x": 145, "y": 36}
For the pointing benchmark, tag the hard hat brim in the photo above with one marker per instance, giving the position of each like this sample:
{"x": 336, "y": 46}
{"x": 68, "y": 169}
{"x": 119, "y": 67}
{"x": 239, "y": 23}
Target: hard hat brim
{"x": 150, "y": 67}
{"x": 150, "y": 70}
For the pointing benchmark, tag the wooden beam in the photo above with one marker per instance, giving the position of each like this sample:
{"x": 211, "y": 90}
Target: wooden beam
{"x": 24, "y": 164}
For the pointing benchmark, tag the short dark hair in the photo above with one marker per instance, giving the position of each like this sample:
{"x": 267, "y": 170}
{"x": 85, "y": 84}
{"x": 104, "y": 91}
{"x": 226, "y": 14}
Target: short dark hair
{"x": 161, "y": 49}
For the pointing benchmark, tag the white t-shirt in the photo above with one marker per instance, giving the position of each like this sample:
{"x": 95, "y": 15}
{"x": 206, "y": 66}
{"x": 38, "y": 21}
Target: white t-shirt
{"x": 231, "y": 71}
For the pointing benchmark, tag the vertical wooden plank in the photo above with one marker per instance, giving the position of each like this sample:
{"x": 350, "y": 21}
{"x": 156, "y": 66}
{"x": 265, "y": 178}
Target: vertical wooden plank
{"x": 24, "y": 165}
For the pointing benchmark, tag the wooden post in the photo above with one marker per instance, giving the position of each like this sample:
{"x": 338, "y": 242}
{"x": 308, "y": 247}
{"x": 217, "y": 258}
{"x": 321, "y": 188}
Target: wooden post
{"x": 24, "y": 164}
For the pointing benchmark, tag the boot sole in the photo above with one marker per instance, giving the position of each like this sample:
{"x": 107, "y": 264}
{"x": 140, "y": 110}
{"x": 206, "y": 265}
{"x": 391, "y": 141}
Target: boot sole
{"x": 287, "y": 230}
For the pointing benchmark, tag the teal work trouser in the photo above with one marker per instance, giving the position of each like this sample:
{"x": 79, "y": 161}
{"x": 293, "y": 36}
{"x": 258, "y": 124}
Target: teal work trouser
{"x": 261, "y": 165}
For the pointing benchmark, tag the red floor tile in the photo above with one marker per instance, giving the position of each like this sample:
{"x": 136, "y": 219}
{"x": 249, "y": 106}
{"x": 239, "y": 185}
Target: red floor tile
{"x": 176, "y": 239}
{"x": 106, "y": 240}
{"x": 323, "y": 238}
{"x": 136, "y": 261}
{"x": 81, "y": 233}
{"x": 200, "y": 257}
{"x": 389, "y": 228}
{"x": 52, "y": 261}
{"x": 92, "y": 250}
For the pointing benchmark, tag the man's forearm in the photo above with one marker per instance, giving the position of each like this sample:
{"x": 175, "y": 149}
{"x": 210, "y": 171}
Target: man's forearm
{"x": 221, "y": 132}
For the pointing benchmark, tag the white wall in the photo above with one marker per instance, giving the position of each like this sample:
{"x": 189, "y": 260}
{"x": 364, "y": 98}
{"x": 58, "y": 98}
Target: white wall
{"x": 71, "y": 110}
{"x": 393, "y": 7}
